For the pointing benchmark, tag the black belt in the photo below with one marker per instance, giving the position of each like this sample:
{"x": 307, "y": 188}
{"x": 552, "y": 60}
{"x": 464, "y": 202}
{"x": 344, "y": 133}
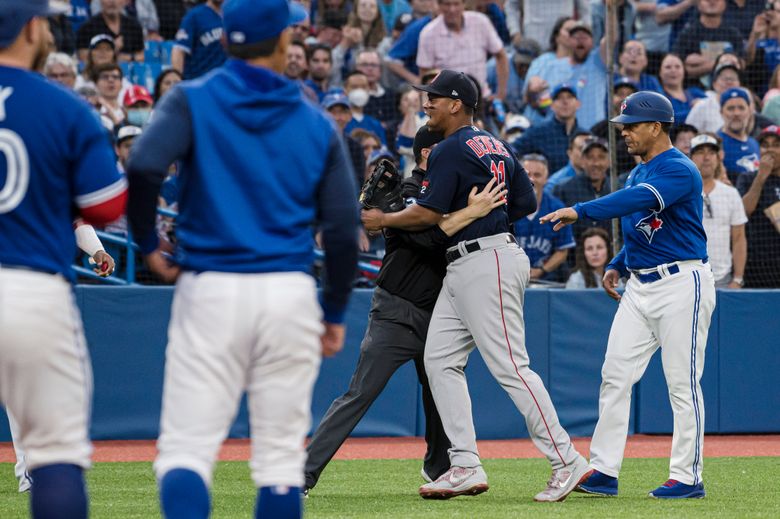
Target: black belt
{"x": 472, "y": 246}
{"x": 652, "y": 277}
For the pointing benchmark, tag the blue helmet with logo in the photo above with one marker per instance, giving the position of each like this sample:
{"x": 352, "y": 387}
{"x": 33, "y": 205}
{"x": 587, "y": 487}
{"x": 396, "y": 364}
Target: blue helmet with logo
{"x": 645, "y": 106}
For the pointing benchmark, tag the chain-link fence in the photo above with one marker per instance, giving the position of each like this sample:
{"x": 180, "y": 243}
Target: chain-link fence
{"x": 551, "y": 74}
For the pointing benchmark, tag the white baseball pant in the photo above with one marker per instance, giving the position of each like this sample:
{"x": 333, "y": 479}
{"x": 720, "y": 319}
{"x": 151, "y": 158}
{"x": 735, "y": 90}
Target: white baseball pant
{"x": 674, "y": 314}
{"x": 231, "y": 333}
{"x": 45, "y": 372}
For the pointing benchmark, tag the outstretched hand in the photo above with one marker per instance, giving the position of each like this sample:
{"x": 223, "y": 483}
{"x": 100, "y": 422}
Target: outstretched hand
{"x": 561, "y": 218}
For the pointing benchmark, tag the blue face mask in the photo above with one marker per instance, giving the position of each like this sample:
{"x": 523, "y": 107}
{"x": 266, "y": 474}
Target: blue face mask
{"x": 138, "y": 116}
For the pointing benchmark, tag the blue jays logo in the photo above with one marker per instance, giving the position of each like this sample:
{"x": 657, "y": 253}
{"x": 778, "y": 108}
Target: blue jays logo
{"x": 649, "y": 225}
{"x": 623, "y": 106}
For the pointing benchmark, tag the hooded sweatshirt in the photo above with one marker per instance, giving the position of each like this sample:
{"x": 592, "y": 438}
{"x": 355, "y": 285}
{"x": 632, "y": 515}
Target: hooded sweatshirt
{"x": 259, "y": 166}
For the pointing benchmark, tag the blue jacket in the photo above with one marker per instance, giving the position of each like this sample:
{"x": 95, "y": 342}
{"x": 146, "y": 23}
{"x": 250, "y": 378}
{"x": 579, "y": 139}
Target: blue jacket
{"x": 260, "y": 164}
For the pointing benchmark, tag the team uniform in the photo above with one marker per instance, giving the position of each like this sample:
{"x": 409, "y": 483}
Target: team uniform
{"x": 407, "y": 286}
{"x": 200, "y": 37}
{"x": 481, "y": 304}
{"x": 539, "y": 241}
{"x": 54, "y": 159}
{"x": 668, "y": 303}
{"x": 245, "y": 315}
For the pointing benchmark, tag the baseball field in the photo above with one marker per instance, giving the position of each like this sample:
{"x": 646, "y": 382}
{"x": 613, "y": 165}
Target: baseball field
{"x": 379, "y": 478}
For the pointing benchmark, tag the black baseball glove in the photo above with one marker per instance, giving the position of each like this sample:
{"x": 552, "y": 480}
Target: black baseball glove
{"x": 382, "y": 190}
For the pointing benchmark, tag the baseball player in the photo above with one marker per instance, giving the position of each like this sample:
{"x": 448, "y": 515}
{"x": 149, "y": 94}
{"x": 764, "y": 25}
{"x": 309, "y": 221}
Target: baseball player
{"x": 87, "y": 240}
{"x": 668, "y": 301}
{"x": 408, "y": 282}
{"x": 259, "y": 165}
{"x": 54, "y": 159}
{"x": 481, "y": 301}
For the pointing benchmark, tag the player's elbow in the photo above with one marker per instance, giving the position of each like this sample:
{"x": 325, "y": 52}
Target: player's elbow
{"x": 105, "y": 212}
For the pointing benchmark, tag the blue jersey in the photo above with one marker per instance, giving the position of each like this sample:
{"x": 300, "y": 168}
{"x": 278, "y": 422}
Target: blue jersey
{"x": 471, "y": 157}
{"x": 661, "y": 210}
{"x": 55, "y": 162}
{"x": 740, "y": 156}
{"x": 259, "y": 165}
{"x": 200, "y": 36}
{"x": 405, "y": 47}
{"x": 538, "y": 240}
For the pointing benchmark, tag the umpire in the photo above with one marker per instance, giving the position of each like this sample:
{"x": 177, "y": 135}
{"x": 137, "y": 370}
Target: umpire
{"x": 407, "y": 287}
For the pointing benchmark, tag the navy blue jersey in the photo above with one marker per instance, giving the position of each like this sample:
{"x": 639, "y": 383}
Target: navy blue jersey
{"x": 55, "y": 162}
{"x": 661, "y": 209}
{"x": 539, "y": 240}
{"x": 471, "y": 157}
{"x": 200, "y": 36}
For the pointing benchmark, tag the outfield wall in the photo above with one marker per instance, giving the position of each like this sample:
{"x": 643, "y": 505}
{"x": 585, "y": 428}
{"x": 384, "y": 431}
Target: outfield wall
{"x": 567, "y": 335}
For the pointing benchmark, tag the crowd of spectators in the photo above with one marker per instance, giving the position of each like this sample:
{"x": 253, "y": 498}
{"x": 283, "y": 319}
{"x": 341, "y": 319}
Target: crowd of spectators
{"x": 541, "y": 68}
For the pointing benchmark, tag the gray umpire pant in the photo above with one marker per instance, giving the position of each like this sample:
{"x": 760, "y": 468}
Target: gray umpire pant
{"x": 396, "y": 334}
{"x": 481, "y": 304}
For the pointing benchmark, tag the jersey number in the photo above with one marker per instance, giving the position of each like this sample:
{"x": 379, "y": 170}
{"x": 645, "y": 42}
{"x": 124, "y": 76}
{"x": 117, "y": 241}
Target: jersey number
{"x": 17, "y": 177}
{"x": 498, "y": 171}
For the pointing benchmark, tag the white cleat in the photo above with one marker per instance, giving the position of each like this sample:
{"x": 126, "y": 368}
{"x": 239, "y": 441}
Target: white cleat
{"x": 458, "y": 481}
{"x": 564, "y": 481}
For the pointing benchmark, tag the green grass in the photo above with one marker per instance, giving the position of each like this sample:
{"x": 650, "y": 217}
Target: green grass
{"x": 736, "y": 487}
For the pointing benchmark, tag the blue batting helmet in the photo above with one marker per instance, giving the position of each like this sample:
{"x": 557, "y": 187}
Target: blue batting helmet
{"x": 645, "y": 106}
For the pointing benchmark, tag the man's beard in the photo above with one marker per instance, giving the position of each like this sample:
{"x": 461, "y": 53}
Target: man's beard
{"x": 40, "y": 57}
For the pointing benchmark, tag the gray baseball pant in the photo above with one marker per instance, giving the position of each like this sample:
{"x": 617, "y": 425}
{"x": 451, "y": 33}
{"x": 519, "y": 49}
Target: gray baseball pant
{"x": 481, "y": 304}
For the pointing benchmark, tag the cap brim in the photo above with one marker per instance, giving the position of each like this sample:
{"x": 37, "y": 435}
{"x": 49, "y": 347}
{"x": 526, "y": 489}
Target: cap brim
{"x": 630, "y": 119}
{"x": 297, "y": 13}
{"x": 429, "y": 89}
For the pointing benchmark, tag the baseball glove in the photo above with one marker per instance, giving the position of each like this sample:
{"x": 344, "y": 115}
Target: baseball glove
{"x": 382, "y": 190}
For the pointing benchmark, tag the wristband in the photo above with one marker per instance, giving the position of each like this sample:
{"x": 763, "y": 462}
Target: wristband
{"x": 87, "y": 240}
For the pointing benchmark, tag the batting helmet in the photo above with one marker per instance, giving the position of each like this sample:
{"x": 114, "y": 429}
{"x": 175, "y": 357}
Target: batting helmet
{"x": 645, "y": 106}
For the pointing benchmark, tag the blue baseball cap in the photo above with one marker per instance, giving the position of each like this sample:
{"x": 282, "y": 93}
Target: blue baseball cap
{"x": 253, "y": 21}
{"x": 563, "y": 87}
{"x": 621, "y": 81}
{"x": 335, "y": 99}
{"x": 14, "y": 14}
{"x": 734, "y": 93}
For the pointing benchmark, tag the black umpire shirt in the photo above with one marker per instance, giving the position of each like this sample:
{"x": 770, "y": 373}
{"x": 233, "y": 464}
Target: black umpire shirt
{"x": 414, "y": 266}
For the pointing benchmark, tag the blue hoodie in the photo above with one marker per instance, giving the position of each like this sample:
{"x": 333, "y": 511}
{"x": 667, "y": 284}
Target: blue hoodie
{"x": 259, "y": 166}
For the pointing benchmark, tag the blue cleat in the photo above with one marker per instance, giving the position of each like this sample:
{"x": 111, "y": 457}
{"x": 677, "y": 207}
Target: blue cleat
{"x": 599, "y": 484}
{"x": 673, "y": 489}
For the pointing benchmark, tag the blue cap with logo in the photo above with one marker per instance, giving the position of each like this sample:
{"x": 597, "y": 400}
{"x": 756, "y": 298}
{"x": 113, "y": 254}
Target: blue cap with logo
{"x": 563, "y": 87}
{"x": 335, "y": 99}
{"x": 734, "y": 93}
{"x": 253, "y": 21}
{"x": 14, "y": 14}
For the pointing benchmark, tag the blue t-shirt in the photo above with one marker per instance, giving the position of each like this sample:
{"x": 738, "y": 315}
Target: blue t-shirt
{"x": 54, "y": 157}
{"x": 660, "y": 210}
{"x": 79, "y": 13}
{"x": 405, "y": 47}
{"x": 538, "y": 240}
{"x": 740, "y": 156}
{"x": 370, "y": 124}
{"x": 467, "y": 158}
{"x": 200, "y": 36}
{"x": 771, "y": 52}
{"x": 683, "y": 108}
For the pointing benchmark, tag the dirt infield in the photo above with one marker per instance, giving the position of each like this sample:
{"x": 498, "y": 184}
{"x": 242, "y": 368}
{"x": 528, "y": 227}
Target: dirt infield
{"x": 639, "y": 446}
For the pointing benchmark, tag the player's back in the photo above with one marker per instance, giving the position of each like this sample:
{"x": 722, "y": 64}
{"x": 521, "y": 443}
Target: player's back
{"x": 48, "y": 138}
{"x": 250, "y": 184}
{"x": 471, "y": 157}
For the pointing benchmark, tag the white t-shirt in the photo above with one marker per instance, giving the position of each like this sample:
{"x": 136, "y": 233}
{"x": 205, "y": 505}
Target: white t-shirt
{"x": 722, "y": 209}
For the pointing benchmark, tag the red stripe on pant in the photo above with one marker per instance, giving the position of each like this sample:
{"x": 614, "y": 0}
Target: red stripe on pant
{"x": 512, "y": 358}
